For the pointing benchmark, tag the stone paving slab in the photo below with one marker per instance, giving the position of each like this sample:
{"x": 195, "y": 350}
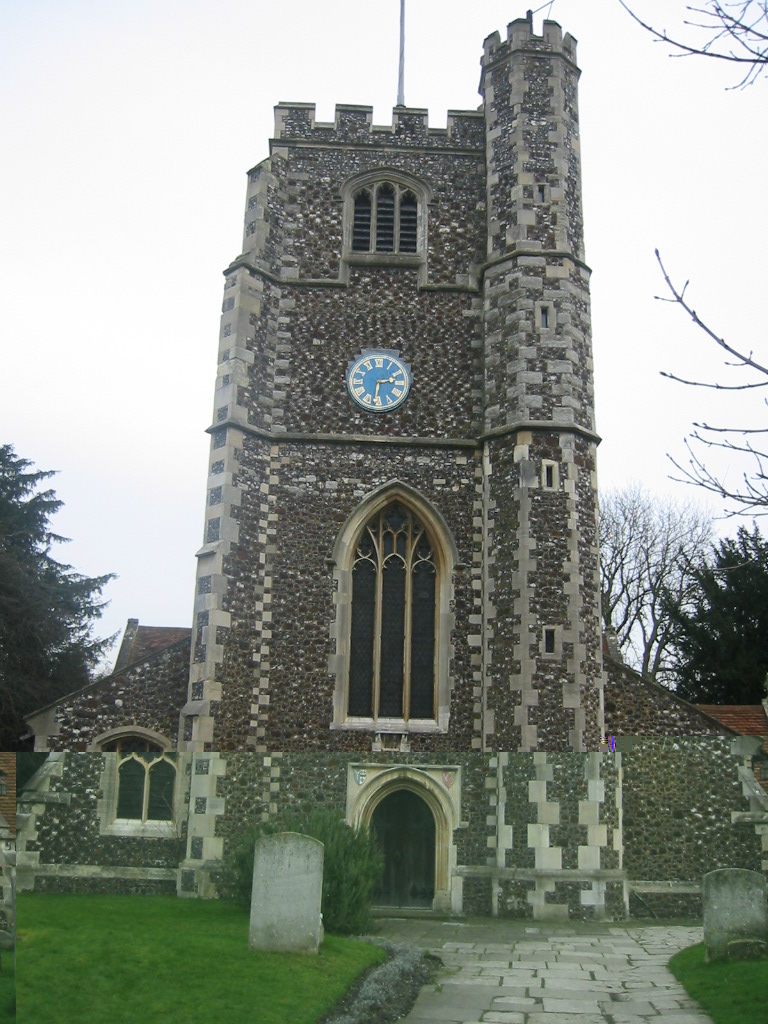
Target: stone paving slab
{"x": 502, "y": 972}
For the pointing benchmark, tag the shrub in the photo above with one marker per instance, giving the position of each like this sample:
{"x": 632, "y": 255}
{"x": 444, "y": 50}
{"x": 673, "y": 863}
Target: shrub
{"x": 352, "y": 865}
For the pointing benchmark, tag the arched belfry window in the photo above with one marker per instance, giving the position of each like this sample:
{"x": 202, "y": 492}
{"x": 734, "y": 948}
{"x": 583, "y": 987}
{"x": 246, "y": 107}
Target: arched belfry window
{"x": 386, "y": 217}
{"x": 385, "y": 220}
{"x": 392, "y": 638}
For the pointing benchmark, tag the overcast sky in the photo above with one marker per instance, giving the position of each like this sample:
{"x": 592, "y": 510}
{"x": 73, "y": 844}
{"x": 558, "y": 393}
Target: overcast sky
{"x": 128, "y": 128}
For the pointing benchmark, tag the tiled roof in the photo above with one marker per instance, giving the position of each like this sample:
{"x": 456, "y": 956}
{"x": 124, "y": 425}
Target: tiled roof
{"x": 744, "y": 719}
{"x": 8, "y": 801}
{"x": 140, "y": 642}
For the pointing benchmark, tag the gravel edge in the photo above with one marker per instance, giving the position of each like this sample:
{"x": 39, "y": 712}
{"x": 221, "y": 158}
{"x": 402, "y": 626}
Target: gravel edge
{"x": 386, "y": 993}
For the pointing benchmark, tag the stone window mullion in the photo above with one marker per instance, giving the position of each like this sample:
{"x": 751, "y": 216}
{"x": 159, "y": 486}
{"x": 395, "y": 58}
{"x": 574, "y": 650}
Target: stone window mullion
{"x": 408, "y": 622}
{"x": 396, "y": 226}
{"x": 378, "y": 614}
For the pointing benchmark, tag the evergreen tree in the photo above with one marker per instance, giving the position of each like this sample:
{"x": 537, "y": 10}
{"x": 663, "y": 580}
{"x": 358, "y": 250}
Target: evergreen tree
{"x": 47, "y": 610}
{"x": 722, "y": 640}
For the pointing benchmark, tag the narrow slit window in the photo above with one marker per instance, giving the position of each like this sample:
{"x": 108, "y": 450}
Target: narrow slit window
{"x": 549, "y": 476}
{"x": 544, "y": 317}
{"x": 549, "y": 640}
{"x": 540, "y": 193}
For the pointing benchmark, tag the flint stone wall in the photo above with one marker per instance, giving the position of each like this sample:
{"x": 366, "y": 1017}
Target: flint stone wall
{"x": 149, "y": 693}
{"x": 679, "y": 795}
{"x": 61, "y": 832}
{"x": 637, "y": 707}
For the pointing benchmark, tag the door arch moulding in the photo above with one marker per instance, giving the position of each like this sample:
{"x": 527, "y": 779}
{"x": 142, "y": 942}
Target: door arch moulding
{"x": 440, "y": 788}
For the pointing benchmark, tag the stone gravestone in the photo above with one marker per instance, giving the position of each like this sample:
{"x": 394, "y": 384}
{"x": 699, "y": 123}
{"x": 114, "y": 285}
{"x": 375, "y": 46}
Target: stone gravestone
{"x": 286, "y": 894}
{"x": 735, "y": 915}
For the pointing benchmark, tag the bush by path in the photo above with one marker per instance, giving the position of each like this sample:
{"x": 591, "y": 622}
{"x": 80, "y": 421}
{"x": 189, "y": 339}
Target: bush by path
{"x": 352, "y": 865}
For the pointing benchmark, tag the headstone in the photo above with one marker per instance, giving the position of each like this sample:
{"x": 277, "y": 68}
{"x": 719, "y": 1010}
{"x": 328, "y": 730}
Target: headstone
{"x": 735, "y": 915}
{"x": 286, "y": 894}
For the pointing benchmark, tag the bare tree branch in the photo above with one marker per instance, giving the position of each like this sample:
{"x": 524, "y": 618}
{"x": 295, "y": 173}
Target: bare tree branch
{"x": 736, "y": 32}
{"x": 649, "y": 551}
{"x": 678, "y": 296}
{"x": 715, "y": 386}
{"x": 750, "y": 493}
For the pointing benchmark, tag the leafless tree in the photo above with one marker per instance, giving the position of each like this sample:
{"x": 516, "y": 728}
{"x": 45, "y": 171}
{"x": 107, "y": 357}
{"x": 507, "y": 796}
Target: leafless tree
{"x": 748, "y": 495}
{"x": 729, "y": 30}
{"x": 649, "y": 549}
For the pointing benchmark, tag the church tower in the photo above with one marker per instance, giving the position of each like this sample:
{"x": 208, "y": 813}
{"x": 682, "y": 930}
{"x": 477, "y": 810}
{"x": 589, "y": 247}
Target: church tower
{"x": 400, "y": 546}
{"x": 543, "y": 655}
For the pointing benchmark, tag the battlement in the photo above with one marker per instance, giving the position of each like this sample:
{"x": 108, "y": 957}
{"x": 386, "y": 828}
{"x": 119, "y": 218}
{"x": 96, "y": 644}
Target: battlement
{"x": 354, "y": 124}
{"x": 520, "y": 36}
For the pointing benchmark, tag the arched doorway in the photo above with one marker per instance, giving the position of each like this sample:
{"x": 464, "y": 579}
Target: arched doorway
{"x": 405, "y": 826}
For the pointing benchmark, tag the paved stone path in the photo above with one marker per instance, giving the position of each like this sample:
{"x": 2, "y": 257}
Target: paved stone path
{"x": 520, "y": 973}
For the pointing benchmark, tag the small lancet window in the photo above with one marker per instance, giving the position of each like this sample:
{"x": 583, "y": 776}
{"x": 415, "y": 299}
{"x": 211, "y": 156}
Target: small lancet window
{"x": 544, "y": 317}
{"x": 392, "y": 642}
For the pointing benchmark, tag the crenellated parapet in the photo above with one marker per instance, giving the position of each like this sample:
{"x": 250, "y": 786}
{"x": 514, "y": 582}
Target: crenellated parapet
{"x": 354, "y": 124}
{"x": 520, "y": 36}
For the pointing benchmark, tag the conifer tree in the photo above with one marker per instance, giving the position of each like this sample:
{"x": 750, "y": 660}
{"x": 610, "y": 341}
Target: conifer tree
{"x": 722, "y": 637}
{"x": 47, "y": 610}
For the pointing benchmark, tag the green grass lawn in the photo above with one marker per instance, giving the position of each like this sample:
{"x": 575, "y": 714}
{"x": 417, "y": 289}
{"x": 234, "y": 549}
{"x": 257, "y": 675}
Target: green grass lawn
{"x": 7, "y": 990}
{"x": 122, "y": 959}
{"x": 731, "y": 993}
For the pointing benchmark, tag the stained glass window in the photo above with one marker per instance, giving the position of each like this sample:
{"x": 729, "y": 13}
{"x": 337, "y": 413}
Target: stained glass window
{"x": 392, "y": 641}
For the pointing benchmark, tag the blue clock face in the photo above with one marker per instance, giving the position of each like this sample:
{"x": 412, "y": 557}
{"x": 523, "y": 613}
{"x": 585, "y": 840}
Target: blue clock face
{"x": 378, "y": 381}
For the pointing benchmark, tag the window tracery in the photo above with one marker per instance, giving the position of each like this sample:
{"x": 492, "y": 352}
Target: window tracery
{"x": 145, "y": 787}
{"x": 386, "y": 218}
{"x": 392, "y": 641}
{"x": 393, "y": 564}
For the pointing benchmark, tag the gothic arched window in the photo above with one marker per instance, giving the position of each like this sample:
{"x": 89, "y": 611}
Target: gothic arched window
{"x": 140, "y": 785}
{"x": 146, "y": 779}
{"x": 386, "y": 218}
{"x": 393, "y": 619}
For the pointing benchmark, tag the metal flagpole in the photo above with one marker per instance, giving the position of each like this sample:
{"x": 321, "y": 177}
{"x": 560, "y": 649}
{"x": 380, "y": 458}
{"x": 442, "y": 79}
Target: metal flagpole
{"x": 401, "y": 74}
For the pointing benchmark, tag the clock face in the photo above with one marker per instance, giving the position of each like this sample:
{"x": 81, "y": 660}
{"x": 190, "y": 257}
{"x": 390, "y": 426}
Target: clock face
{"x": 378, "y": 381}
